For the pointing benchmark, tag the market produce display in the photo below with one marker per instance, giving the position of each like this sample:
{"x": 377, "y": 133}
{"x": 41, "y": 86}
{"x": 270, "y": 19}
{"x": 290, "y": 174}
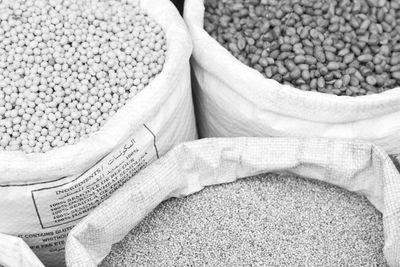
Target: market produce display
{"x": 337, "y": 47}
{"x": 274, "y": 220}
{"x": 67, "y": 66}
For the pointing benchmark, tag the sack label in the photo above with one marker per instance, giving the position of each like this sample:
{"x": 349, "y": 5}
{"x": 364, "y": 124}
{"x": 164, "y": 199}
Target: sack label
{"x": 53, "y": 240}
{"x": 68, "y": 202}
{"x": 46, "y": 212}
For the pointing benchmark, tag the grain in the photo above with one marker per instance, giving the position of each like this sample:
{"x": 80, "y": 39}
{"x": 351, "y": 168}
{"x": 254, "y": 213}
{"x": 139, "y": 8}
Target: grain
{"x": 273, "y": 220}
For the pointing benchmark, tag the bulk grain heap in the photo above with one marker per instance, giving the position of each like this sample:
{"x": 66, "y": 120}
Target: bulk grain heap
{"x": 67, "y": 66}
{"x": 349, "y": 47}
{"x": 265, "y": 220}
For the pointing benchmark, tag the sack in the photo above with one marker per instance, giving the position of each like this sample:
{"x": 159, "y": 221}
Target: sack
{"x": 42, "y": 196}
{"x": 16, "y": 253}
{"x": 188, "y": 168}
{"x": 233, "y": 99}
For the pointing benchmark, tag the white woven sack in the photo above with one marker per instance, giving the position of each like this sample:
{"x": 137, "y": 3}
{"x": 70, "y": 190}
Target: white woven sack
{"x": 188, "y": 168}
{"x": 16, "y": 253}
{"x": 42, "y": 196}
{"x": 235, "y": 100}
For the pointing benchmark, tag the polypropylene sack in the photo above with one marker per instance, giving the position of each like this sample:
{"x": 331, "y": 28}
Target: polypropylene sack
{"x": 233, "y": 99}
{"x": 42, "y": 196}
{"x": 14, "y": 252}
{"x": 188, "y": 168}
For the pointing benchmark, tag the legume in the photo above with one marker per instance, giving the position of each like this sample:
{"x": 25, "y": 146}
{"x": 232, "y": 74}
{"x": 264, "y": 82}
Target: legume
{"x": 349, "y": 47}
{"x": 66, "y": 66}
{"x": 268, "y": 220}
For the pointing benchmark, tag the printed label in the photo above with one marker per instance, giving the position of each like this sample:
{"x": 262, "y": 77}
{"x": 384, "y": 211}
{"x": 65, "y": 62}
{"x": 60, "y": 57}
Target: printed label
{"x": 52, "y": 240}
{"x": 65, "y": 203}
{"x": 48, "y": 245}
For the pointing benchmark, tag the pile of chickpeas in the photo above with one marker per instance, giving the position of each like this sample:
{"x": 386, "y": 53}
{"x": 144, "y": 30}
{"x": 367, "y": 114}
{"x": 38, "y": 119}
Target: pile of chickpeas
{"x": 66, "y": 66}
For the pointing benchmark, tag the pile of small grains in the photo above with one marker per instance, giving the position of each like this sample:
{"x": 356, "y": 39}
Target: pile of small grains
{"x": 66, "y": 66}
{"x": 267, "y": 220}
{"x": 340, "y": 47}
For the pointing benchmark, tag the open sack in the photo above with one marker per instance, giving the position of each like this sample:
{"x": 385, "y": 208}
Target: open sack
{"x": 188, "y": 168}
{"x": 42, "y": 196}
{"x": 233, "y": 99}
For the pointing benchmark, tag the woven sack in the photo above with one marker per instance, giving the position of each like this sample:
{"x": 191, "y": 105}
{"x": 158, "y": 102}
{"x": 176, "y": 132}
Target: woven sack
{"x": 233, "y": 100}
{"x": 188, "y": 168}
{"x": 42, "y": 196}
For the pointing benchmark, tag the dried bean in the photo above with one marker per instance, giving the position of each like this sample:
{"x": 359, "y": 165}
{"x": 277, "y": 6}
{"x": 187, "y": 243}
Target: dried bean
{"x": 321, "y": 82}
{"x": 371, "y": 80}
{"x": 299, "y": 59}
{"x": 310, "y": 60}
{"x": 295, "y": 74}
{"x": 333, "y": 65}
{"x": 346, "y": 80}
{"x": 320, "y": 56}
{"x": 241, "y": 44}
{"x": 328, "y": 43}
{"x": 395, "y": 60}
{"x": 365, "y": 58}
{"x": 396, "y": 75}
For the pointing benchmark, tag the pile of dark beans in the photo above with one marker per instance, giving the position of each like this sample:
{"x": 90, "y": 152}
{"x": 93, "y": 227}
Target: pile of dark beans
{"x": 341, "y": 47}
